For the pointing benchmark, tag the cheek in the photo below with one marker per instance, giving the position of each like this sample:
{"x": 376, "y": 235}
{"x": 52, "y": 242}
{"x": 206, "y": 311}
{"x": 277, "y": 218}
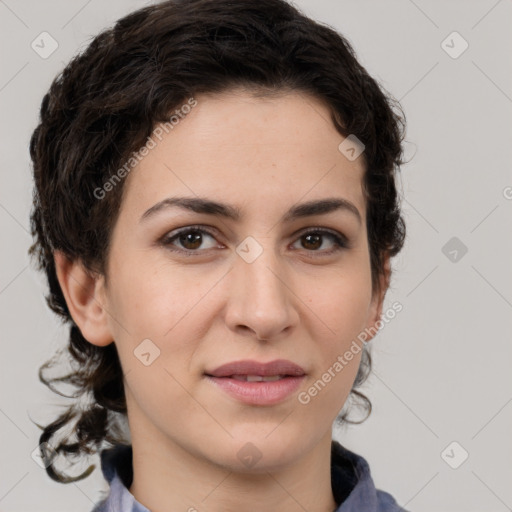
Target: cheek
{"x": 150, "y": 296}
{"x": 341, "y": 314}
{"x": 170, "y": 306}
{"x": 341, "y": 301}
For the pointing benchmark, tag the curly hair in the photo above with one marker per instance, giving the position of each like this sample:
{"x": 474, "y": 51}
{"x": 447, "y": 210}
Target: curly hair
{"x": 107, "y": 101}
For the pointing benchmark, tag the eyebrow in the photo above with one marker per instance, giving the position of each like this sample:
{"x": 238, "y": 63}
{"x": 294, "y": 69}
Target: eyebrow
{"x": 209, "y": 207}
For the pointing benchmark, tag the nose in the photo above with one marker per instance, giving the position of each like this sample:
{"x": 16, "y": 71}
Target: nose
{"x": 261, "y": 301}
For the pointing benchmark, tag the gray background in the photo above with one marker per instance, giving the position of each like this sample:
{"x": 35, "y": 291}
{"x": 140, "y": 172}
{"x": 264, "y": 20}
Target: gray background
{"x": 442, "y": 366}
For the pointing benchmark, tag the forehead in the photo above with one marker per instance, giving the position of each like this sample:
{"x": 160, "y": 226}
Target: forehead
{"x": 246, "y": 150}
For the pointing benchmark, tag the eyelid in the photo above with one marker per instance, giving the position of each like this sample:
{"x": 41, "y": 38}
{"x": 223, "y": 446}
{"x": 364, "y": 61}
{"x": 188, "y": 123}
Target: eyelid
{"x": 323, "y": 230}
{"x": 341, "y": 241}
{"x": 175, "y": 233}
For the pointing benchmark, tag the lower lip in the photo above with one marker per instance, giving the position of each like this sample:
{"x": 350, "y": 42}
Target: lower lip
{"x": 258, "y": 393}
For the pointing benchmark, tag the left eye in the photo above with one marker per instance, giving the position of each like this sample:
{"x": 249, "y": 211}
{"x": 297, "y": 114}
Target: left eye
{"x": 315, "y": 238}
{"x": 191, "y": 239}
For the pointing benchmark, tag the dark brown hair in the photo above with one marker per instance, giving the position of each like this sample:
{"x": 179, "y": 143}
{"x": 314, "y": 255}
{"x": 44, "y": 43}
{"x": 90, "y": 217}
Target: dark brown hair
{"x": 106, "y": 102}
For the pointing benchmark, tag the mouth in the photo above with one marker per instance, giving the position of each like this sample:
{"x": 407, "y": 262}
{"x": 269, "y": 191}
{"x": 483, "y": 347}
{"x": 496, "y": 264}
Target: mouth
{"x": 257, "y": 378}
{"x": 256, "y": 383}
{"x": 256, "y": 371}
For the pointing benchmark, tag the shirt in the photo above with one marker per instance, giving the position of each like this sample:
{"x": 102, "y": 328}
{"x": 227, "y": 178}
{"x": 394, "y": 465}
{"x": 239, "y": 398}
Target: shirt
{"x": 351, "y": 482}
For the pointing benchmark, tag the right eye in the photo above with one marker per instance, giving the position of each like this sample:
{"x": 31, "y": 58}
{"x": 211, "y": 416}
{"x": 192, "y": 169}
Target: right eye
{"x": 190, "y": 239}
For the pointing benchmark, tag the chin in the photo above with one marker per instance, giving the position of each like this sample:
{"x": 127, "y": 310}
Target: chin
{"x": 258, "y": 450}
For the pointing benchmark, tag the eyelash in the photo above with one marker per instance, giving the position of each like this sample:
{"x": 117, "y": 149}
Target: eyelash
{"x": 339, "y": 240}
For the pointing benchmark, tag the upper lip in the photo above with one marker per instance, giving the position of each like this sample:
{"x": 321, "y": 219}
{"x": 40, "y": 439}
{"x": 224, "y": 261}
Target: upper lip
{"x": 248, "y": 367}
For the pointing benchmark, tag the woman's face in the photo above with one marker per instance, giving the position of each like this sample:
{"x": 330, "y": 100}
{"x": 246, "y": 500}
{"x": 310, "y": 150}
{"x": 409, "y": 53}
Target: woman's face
{"x": 253, "y": 288}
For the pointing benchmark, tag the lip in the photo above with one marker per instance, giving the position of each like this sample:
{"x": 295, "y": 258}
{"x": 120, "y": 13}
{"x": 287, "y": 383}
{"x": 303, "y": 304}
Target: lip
{"x": 258, "y": 393}
{"x": 250, "y": 367}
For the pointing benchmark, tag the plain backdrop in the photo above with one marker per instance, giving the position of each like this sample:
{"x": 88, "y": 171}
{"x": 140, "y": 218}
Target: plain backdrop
{"x": 439, "y": 436}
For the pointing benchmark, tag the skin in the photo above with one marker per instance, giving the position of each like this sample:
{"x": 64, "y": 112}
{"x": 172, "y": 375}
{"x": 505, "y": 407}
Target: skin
{"x": 263, "y": 155}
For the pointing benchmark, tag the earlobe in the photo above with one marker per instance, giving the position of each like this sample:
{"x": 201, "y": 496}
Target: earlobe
{"x": 83, "y": 293}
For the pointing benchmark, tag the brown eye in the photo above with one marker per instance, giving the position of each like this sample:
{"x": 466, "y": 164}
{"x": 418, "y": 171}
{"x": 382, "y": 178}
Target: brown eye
{"x": 188, "y": 240}
{"x": 194, "y": 238}
{"x": 313, "y": 240}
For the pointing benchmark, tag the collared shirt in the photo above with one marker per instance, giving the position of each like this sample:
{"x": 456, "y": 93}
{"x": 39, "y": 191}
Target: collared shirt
{"x": 351, "y": 482}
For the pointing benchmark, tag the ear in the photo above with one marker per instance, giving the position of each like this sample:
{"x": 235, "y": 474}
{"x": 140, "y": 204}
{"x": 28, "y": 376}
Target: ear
{"x": 85, "y": 297}
{"x": 375, "y": 311}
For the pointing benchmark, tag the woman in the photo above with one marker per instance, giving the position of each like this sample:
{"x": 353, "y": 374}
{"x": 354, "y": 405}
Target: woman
{"x": 215, "y": 210}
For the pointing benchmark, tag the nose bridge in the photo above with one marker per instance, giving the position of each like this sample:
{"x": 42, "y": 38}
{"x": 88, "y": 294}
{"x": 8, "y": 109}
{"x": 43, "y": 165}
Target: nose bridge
{"x": 261, "y": 298}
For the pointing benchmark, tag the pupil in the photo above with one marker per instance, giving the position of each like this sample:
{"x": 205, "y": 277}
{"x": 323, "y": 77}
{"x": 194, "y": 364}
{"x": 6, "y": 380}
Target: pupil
{"x": 194, "y": 239}
{"x": 317, "y": 237}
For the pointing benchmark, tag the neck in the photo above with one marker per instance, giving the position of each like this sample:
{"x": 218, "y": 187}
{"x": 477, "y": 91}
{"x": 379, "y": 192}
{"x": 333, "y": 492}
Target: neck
{"x": 168, "y": 477}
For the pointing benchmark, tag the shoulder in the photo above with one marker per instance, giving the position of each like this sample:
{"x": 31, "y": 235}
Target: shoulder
{"x": 353, "y": 485}
{"x": 116, "y": 465}
{"x": 386, "y": 503}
